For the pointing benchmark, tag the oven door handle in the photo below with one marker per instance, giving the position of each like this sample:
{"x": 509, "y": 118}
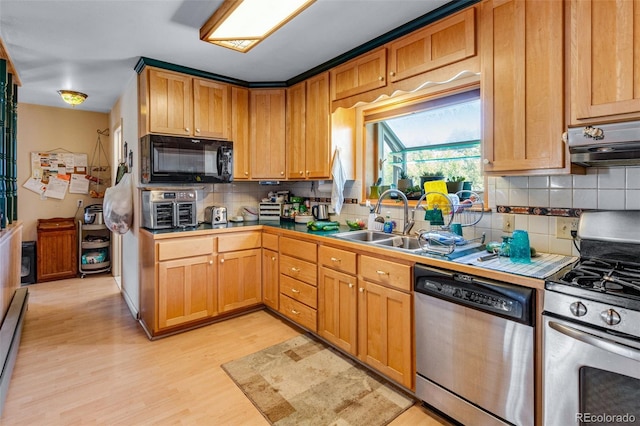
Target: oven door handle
{"x": 598, "y": 342}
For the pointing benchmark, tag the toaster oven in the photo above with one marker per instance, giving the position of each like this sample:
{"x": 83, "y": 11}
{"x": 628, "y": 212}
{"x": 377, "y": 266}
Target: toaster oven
{"x": 169, "y": 209}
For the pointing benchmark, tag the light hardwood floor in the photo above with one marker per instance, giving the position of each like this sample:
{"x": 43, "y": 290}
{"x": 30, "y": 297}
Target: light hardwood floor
{"x": 84, "y": 360}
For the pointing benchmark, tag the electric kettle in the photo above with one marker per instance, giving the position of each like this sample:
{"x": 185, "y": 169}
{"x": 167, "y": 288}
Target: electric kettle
{"x": 320, "y": 212}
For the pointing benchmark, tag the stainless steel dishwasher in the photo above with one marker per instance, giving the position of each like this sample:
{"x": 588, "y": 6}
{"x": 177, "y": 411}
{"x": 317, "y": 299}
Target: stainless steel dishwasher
{"x": 474, "y": 347}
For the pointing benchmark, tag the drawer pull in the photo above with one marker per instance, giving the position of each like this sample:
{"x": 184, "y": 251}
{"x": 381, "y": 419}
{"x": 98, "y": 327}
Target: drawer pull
{"x": 335, "y": 259}
{"x": 293, "y": 311}
{"x": 379, "y": 272}
{"x": 293, "y": 290}
{"x": 293, "y": 269}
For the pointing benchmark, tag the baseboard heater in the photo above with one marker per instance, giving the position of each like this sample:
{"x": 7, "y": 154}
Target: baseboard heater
{"x": 10, "y": 332}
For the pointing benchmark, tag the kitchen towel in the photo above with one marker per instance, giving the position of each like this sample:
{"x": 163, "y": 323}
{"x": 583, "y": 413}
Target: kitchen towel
{"x": 337, "y": 191}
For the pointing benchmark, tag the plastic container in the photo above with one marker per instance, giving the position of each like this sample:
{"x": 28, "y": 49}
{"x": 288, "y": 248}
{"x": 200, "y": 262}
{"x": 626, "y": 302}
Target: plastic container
{"x": 519, "y": 249}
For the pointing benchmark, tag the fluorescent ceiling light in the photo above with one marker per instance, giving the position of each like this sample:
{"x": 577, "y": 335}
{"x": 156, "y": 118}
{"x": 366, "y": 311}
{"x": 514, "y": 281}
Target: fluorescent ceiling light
{"x": 241, "y": 24}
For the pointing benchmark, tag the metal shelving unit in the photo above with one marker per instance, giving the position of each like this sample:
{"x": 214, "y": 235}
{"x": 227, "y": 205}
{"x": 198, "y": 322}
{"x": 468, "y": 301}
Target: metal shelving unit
{"x": 93, "y": 241}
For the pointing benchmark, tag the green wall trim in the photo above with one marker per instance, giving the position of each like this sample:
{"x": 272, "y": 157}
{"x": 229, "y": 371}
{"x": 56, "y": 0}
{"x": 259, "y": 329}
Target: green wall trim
{"x": 424, "y": 20}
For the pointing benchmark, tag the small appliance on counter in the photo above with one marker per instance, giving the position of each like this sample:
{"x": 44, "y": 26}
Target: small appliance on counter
{"x": 93, "y": 214}
{"x": 162, "y": 209}
{"x": 215, "y": 215}
{"x": 270, "y": 211}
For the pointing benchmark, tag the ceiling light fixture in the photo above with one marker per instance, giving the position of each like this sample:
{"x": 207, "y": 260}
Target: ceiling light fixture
{"x": 71, "y": 97}
{"x": 241, "y": 24}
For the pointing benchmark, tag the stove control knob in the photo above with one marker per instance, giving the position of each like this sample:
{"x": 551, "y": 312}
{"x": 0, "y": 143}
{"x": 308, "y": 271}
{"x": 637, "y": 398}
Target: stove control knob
{"x": 578, "y": 309}
{"x": 610, "y": 316}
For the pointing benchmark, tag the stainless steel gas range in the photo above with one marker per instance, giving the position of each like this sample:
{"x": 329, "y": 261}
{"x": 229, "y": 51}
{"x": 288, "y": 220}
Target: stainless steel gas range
{"x": 591, "y": 323}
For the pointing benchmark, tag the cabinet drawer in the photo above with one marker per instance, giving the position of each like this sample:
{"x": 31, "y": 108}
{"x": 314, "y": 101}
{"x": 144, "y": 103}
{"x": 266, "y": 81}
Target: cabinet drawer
{"x": 299, "y": 313}
{"x": 239, "y": 241}
{"x": 300, "y": 249}
{"x": 270, "y": 241}
{"x": 337, "y": 259}
{"x": 185, "y": 247}
{"x": 299, "y": 269}
{"x": 385, "y": 272}
{"x": 299, "y": 291}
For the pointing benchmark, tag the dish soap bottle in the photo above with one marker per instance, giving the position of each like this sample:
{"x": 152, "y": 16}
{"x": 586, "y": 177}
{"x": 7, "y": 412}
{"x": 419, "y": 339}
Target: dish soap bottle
{"x": 388, "y": 224}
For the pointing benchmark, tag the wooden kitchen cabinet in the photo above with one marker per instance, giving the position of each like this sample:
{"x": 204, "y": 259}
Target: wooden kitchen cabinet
{"x": 523, "y": 87}
{"x": 385, "y": 318}
{"x": 186, "y": 282}
{"x": 57, "y": 249}
{"x": 270, "y": 271}
{"x": 447, "y": 41}
{"x": 240, "y": 133}
{"x": 308, "y": 141}
{"x": 364, "y": 73}
{"x": 267, "y": 134}
{"x": 298, "y": 282}
{"x": 239, "y": 270}
{"x": 605, "y": 72}
{"x": 337, "y": 298}
{"x": 179, "y": 104}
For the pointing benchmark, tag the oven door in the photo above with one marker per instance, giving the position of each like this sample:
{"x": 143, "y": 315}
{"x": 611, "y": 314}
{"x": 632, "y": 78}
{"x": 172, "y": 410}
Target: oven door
{"x": 590, "y": 376}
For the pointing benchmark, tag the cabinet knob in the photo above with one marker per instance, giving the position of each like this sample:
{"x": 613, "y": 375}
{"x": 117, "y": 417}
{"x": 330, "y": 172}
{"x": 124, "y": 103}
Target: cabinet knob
{"x": 295, "y": 269}
{"x": 350, "y": 285}
{"x": 392, "y": 73}
{"x": 486, "y": 161}
{"x": 361, "y": 289}
{"x": 246, "y": 173}
{"x": 281, "y": 173}
{"x": 293, "y": 311}
{"x": 380, "y": 78}
{"x": 197, "y": 130}
{"x": 307, "y": 172}
{"x": 335, "y": 259}
{"x": 221, "y": 260}
{"x": 301, "y": 172}
{"x": 273, "y": 258}
{"x": 186, "y": 129}
{"x": 293, "y": 290}
{"x": 211, "y": 262}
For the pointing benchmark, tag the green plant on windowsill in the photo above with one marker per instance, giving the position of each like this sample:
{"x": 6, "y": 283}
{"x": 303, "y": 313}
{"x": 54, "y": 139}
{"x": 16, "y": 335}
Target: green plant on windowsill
{"x": 404, "y": 181}
{"x": 454, "y": 184}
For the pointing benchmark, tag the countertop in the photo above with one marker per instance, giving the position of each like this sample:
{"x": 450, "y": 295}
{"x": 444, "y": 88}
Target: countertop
{"x": 530, "y": 275}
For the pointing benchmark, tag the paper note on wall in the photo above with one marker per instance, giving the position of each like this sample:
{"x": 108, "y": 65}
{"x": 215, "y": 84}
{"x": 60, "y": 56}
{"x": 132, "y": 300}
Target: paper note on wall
{"x": 56, "y": 188}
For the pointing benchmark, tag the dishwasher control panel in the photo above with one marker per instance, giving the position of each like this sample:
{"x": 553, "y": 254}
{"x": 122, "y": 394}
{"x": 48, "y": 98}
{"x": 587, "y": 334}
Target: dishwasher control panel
{"x": 503, "y": 299}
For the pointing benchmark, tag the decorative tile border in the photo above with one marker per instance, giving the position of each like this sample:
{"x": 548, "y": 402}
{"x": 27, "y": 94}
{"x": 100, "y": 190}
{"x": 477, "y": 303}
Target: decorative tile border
{"x": 328, "y": 200}
{"x": 540, "y": 211}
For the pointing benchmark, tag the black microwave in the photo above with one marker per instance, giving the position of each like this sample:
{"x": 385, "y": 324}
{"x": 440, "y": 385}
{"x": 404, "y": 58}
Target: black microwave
{"x": 173, "y": 159}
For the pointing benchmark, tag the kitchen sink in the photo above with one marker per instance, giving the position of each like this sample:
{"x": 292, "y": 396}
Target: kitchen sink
{"x": 364, "y": 236}
{"x": 400, "y": 242}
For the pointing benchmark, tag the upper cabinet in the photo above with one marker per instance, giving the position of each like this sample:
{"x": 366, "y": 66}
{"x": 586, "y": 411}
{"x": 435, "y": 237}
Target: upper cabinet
{"x": 240, "y": 133}
{"x": 522, "y": 87}
{"x": 605, "y": 71}
{"x": 364, "y": 73}
{"x": 447, "y": 41}
{"x": 308, "y": 140}
{"x": 178, "y": 104}
{"x": 267, "y": 133}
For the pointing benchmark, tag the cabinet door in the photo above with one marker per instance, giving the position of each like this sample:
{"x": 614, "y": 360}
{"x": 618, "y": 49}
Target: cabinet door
{"x": 211, "y": 109}
{"x": 442, "y": 43}
{"x": 384, "y": 330}
{"x": 366, "y": 72}
{"x": 522, "y": 86}
{"x": 605, "y": 47}
{"x": 296, "y": 124}
{"x": 57, "y": 254}
{"x": 170, "y": 102}
{"x": 268, "y": 134}
{"x": 337, "y": 309}
{"x": 240, "y": 133}
{"x": 270, "y": 274}
{"x": 317, "y": 140}
{"x": 186, "y": 290}
{"x": 239, "y": 279}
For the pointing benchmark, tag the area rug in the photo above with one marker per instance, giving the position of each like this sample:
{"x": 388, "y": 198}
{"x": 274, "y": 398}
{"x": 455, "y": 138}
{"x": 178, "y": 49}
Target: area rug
{"x": 304, "y": 382}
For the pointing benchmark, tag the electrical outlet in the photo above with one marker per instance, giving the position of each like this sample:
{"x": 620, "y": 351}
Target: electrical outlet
{"x": 508, "y": 222}
{"x": 564, "y": 226}
{"x": 80, "y": 203}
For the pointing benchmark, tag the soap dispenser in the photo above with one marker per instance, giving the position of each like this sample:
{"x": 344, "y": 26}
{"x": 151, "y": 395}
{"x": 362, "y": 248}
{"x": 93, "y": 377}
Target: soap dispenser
{"x": 388, "y": 224}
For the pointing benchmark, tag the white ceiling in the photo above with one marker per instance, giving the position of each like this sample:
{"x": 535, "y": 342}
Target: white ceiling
{"x": 92, "y": 46}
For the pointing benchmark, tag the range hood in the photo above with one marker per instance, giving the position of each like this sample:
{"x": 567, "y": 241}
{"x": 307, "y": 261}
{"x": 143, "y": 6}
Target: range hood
{"x": 616, "y": 144}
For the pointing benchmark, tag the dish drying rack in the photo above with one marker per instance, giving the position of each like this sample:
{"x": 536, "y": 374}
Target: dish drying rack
{"x": 460, "y": 210}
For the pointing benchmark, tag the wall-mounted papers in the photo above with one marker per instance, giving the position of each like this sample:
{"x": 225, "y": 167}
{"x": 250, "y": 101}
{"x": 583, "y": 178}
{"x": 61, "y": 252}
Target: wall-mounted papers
{"x": 52, "y": 173}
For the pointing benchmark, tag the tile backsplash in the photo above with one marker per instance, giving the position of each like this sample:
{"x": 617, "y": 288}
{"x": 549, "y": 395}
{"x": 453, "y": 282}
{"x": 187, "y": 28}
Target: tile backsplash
{"x": 614, "y": 188}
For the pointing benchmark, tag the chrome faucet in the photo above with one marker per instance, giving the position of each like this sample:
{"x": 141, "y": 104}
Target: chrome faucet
{"x": 408, "y": 221}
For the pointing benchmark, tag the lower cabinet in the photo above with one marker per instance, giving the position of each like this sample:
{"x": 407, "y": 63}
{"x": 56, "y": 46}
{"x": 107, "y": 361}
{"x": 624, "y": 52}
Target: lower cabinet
{"x": 239, "y": 266}
{"x": 186, "y": 290}
{"x": 298, "y": 282}
{"x": 270, "y": 271}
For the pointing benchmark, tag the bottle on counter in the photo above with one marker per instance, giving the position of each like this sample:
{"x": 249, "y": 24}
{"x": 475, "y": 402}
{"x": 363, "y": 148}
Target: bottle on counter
{"x": 388, "y": 224}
